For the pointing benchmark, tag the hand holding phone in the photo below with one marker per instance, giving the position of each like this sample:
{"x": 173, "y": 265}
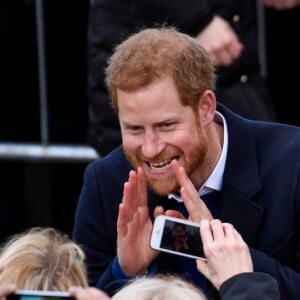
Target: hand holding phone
{"x": 177, "y": 236}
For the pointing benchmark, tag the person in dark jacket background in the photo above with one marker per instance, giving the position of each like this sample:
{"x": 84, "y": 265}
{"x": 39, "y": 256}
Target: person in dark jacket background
{"x": 227, "y": 29}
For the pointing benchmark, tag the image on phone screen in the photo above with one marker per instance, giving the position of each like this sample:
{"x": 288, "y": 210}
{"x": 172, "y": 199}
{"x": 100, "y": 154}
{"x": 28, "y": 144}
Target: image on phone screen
{"x": 177, "y": 236}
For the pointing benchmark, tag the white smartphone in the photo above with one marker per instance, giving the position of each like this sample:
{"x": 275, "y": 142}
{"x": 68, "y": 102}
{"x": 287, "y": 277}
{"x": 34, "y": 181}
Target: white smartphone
{"x": 177, "y": 236}
{"x": 39, "y": 295}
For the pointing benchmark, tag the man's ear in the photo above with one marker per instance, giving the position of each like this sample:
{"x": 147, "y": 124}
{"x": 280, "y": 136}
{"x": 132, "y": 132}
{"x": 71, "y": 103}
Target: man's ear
{"x": 207, "y": 106}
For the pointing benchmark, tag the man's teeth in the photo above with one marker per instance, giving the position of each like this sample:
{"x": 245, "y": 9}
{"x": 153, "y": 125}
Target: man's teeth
{"x": 161, "y": 165}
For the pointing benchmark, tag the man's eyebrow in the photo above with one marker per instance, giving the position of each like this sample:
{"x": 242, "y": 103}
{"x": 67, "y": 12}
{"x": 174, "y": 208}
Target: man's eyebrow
{"x": 156, "y": 124}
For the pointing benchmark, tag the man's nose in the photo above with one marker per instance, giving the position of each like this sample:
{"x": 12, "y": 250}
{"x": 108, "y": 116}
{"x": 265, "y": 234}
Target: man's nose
{"x": 152, "y": 144}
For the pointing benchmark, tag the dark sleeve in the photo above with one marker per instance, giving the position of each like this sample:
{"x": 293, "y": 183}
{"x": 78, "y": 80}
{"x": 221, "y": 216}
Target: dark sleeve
{"x": 249, "y": 286}
{"x": 95, "y": 229}
{"x": 287, "y": 278}
{"x": 189, "y": 17}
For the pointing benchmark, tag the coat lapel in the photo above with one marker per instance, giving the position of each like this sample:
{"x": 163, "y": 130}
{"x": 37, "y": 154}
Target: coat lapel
{"x": 241, "y": 179}
{"x": 244, "y": 214}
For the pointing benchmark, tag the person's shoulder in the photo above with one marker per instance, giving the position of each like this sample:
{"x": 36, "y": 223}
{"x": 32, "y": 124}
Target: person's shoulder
{"x": 238, "y": 123}
{"x": 286, "y": 133}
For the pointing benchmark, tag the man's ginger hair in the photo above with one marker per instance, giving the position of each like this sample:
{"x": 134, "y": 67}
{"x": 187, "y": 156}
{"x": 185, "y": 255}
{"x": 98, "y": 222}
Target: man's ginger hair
{"x": 153, "y": 53}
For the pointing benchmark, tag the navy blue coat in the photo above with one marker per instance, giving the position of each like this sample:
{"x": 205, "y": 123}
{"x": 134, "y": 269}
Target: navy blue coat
{"x": 260, "y": 197}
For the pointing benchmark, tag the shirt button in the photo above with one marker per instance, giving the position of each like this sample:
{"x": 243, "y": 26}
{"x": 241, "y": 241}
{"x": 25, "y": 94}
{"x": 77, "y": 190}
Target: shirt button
{"x": 236, "y": 18}
{"x": 244, "y": 78}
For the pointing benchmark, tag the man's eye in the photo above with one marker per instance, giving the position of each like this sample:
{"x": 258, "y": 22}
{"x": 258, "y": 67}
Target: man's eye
{"x": 168, "y": 125}
{"x": 134, "y": 128}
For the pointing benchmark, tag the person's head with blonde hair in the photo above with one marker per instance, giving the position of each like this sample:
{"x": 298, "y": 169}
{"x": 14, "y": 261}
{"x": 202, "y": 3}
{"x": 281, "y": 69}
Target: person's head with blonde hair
{"x": 42, "y": 259}
{"x": 160, "y": 288}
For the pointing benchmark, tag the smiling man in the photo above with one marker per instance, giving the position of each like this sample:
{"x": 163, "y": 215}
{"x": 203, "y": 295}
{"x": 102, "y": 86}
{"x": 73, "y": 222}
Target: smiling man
{"x": 157, "y": 128}
{"x": 178, "y": 145}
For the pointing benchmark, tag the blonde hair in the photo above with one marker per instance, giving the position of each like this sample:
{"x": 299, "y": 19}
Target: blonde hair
{"x": 42, "y": 259}
{"x": 159, "y": 288}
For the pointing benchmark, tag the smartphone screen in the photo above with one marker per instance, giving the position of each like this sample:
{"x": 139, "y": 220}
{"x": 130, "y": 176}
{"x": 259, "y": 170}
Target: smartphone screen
{"x": 177, "y": 236}
{"x": 39, "y": 295}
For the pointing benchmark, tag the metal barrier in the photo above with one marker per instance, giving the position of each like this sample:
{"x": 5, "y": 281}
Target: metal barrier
{"x": 35, "y": 152}
{"x": 44, "y": 150}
